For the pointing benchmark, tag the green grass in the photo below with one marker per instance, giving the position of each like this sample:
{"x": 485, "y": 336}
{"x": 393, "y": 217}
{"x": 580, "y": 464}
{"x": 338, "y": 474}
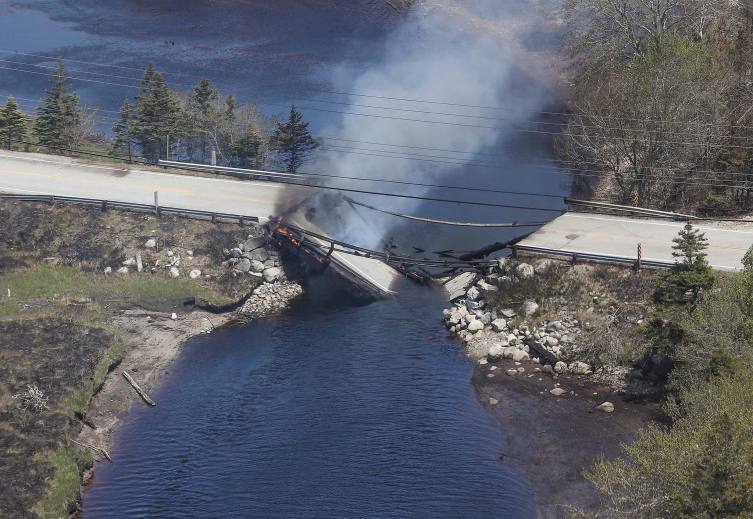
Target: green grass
{"x": 80, "y": 399}
{"x": 150, "y": 292}
{"x": 67, "y": 482}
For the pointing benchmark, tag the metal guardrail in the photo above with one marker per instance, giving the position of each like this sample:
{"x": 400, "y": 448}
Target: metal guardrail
{"x": 630, "y": 209}
{"x": 256, "y": 174}
{"x": 106, "y": 204}
{"x": 595, "y": 257}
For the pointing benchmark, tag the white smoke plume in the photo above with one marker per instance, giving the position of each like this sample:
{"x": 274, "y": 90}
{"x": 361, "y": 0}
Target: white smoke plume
{"x": 440, "y": 53}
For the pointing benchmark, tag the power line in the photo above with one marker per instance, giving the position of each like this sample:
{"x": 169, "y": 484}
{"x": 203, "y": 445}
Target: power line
{"x": 410, "y": 100}
{"x": 444, "y": 222}
{"x": 565, "y": 114}
{"x": 700, "y": 181}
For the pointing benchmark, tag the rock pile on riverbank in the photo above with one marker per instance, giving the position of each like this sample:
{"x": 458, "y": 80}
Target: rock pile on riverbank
{"x": 269, "y": 298}
{"x": 255, "y": 257}
{"x": 508, "y": 333}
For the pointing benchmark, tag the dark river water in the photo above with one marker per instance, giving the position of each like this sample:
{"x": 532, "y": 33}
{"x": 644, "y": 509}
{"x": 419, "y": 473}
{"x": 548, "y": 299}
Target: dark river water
{"x": 333, "y": 410}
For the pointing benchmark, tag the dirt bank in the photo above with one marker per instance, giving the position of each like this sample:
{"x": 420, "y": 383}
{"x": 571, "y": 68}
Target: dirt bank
{"x": 554, "y": 438}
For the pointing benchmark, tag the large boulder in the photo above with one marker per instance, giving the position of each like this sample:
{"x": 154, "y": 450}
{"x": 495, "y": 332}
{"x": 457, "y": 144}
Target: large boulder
{"x": 151, "y": 243}
{"x": 520, "y": 355}
{"x": 254, "y": 243}
{"x": 499, "y": 325}
{"x": 194, "y": 274}
{"x": 496, "y": 353}
{"x": 174, "y": 272}
{"x": 524, "y": 271}
{"x": 234, "y": 253}
{"x": 257, "y": 266}
{"x": 271, "y": 274}
{"x": 475, "y": 326}
{"x": 509, "y": 352}
{"x": 529, "y": 308}
{"x": 560, "y": 367}
{"x": 502, "y": 264}
{"x": 243, "y": 265}
{"x": 473, "y": 294}
{"x": 260, "y": 254}
{"x": 579, "y": 368}
{"x": 544, "y": 267}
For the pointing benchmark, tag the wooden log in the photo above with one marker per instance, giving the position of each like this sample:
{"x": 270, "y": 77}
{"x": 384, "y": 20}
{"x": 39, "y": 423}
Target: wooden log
{"x": 100, "y": 450}
{"x": 140, "y": 391}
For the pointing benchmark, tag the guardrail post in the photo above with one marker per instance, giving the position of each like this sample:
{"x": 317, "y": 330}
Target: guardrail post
{"x": 156, "y": 206}
{"x": 104, "y": 206}
{"x": 575, "y": 258}
{"x": 214, "y": 217}
{"x": 514, "y": 253}
{"x": 52, "y": 199}
{"x": 240, "y": 221}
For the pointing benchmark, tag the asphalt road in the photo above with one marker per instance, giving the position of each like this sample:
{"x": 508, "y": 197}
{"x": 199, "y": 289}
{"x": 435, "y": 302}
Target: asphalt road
{"x": 619, "y": 237}
{"x": 61, "y": 176}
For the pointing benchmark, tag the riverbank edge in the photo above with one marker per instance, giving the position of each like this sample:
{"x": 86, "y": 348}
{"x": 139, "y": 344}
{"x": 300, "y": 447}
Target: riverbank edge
{"x": 160, "y": 340}
{"x": 549, "y": 410}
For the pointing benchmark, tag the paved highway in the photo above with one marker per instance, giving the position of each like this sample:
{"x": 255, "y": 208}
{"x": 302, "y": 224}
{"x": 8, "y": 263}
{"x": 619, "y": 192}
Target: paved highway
{"x": 61, "y": 176}
{"x": 619, "y": 237}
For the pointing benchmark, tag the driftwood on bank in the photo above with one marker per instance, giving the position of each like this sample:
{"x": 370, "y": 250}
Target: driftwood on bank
{"x": 100, "y": 450}
{"x": 140, "y": 391}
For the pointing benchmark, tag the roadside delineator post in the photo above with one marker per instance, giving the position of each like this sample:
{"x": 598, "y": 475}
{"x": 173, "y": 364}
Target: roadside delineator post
{"x": 635, "y": 198}
{"x": 640, "y": 256}
{"x": 156, "y": 205}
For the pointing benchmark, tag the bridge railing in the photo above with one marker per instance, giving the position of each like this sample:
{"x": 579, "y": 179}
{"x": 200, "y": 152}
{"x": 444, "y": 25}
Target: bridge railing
{"x": 106, "y": 204}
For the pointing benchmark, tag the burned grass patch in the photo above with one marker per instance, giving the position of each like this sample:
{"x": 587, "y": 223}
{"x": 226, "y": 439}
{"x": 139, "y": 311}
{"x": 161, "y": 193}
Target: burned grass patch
{"x": 64, "y": 360}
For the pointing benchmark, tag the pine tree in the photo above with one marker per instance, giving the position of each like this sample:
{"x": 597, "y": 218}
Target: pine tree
{"x": 60, "y": 114}
{"x": 689, "y": 245}
{"x": 293, "y": 142}
{"x": 12, "y": 122}
{"x": 684, "y": 281}
{"x": 124, "y": 129}
{"x": 201, "y": 122}
{"x": 158, "y": 113}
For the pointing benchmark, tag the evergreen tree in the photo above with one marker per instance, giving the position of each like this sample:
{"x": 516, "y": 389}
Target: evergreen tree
{"x": 204, "y": 94}
{"x": 201, "y": 118}
{"x": 124, "y": 129}
{"x": 12, "y": 122}
{"x": 245, "y": 150}
{"x": 689, "y": 245}
{"x": 691, "y": 272}
{"x": 292, "y": 141}
{"x": 60, "y": 115}
{"x": 158, "y": 113}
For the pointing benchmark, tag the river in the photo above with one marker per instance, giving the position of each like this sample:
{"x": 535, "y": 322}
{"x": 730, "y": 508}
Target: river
{"x": 333, "y": 410}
